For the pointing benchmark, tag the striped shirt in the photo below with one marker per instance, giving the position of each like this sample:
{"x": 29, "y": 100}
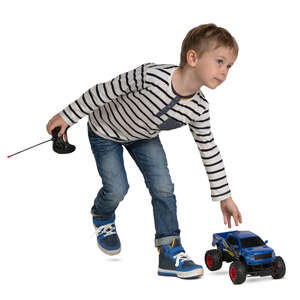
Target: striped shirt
{"x": 139, "y": 104}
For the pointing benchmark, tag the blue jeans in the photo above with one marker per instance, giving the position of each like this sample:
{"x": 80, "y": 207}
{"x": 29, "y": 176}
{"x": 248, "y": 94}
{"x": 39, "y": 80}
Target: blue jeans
{"x": 150, "y": 158}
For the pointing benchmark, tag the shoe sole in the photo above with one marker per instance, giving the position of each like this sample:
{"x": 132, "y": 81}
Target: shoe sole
{"x": 188, "y": 274}
{"x": 109, "y": 252}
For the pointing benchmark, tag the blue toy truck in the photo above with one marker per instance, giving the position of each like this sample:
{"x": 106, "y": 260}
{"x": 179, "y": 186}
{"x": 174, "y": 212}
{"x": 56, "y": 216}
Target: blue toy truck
{"x": 248, "y": 255}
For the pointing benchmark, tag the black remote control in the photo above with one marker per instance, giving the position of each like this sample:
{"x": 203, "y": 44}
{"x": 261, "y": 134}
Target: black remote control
{"x": 60, "y": 145}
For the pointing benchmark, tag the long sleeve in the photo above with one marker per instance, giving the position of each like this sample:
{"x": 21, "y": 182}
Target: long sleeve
{"x": 103, "y": 93}
{"x": 211, "y": 157}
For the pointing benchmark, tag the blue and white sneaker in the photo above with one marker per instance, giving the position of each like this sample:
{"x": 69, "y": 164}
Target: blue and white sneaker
{"x": 107, "y": 237}
{"x": 173, "y": 261}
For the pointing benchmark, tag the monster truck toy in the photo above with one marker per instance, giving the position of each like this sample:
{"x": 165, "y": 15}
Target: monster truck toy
{"x": 247, "y": 252}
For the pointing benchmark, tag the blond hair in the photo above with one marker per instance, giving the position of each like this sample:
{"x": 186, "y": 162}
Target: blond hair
{"x": 205, "y": 37}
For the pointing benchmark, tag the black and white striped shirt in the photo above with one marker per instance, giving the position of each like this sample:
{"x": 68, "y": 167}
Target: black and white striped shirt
{"x": 139, "y": 104}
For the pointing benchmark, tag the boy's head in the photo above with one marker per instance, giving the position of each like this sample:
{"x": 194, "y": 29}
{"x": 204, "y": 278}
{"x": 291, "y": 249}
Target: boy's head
{"x": 211, "y": 51}
{"x": 207, "y": 37}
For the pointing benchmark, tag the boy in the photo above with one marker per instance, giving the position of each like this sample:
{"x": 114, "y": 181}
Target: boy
{"x": 129, "y": 111}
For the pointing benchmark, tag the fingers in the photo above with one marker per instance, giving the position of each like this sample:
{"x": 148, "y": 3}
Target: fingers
{"x": 48, "y": 127}
{"x": 57, "y": 121}
{"x": 225, "y": 219}
{"x": 51, "y": 125}
{"x": 240, "y": 218}
{"x": 237, "y": 218}
{"x": 62, "y": 130}
{"x": 229, "y": 221}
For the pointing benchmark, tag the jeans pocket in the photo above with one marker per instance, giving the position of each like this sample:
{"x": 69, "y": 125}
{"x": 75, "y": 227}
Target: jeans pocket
{"x": 96, "y": 139}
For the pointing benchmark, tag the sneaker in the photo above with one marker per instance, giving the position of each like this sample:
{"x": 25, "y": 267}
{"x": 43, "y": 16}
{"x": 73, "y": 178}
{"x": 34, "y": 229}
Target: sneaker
{"x": 107, "y": 237}
{"x": 173, "y": 261}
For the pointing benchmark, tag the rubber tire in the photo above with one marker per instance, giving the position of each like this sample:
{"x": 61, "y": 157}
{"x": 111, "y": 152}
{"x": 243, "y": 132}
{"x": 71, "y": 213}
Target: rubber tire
{"x": 240, "y": 272}
{"x": 280, "y": 268}
{"x": 216, "y": 259}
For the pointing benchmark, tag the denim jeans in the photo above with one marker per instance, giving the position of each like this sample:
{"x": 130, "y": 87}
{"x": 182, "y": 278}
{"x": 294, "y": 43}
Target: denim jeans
{"x": 150, "y": 158}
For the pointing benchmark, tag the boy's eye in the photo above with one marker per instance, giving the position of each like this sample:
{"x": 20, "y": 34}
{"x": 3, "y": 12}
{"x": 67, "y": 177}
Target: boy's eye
{"x": 220, "y": 61}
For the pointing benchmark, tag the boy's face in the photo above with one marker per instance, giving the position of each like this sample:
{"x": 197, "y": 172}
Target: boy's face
{"x": 212, "y": 67}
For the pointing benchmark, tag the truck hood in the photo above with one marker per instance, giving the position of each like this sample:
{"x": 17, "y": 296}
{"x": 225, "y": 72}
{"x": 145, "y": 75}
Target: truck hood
{"x": 258, "y": 250}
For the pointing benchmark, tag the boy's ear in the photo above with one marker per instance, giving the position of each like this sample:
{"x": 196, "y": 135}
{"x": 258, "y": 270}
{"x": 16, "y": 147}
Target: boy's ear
{"x": 192, "y": 57}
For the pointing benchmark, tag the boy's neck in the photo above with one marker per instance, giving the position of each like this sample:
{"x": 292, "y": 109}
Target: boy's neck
{"x": 184, "y": 81}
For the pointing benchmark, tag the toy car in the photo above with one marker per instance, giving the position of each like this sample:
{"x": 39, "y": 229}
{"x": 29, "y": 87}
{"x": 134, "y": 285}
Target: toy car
{"x": 247, "y": 252}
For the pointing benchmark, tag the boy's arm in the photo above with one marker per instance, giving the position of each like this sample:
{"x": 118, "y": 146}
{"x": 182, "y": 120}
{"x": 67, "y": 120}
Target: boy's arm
{"x": 211, "y": 156}
{"x": 102, "y": 93}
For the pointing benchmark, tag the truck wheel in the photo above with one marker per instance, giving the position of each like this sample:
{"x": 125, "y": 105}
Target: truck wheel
{"x": 213, "y": 259}
{"x": 237, "y": 272}
{"x": 278, "y": 268}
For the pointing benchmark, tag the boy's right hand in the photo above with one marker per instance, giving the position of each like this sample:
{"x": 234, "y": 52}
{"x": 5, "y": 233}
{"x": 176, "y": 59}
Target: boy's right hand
{"x": 230, "y": 209}
{"x": 57, "y": 121}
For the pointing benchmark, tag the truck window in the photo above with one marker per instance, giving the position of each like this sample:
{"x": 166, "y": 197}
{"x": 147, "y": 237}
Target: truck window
{"x": 252, "y": 242}
{"x": 233, "y": 241}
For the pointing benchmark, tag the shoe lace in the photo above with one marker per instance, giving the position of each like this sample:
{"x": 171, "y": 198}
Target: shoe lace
{"x": 106, "y": 230}
{"x": 181, "y": 256}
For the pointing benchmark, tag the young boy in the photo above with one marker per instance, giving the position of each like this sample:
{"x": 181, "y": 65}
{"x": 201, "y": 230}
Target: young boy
{"x": 129, "y": 111}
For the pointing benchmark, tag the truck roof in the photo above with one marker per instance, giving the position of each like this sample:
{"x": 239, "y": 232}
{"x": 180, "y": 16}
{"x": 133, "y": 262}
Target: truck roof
{"x": 243, "y": 234}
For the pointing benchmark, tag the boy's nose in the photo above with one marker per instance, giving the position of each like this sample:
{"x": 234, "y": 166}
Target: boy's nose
{"x": 224, "y": 74}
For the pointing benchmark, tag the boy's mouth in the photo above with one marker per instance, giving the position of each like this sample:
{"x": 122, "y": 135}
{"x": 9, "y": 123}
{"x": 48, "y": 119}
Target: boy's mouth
{"x": 219, "y": 80}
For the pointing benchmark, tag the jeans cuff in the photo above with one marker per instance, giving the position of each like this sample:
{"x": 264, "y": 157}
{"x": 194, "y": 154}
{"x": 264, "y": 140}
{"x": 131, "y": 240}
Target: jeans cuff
{"x": 167, "y": 240}
{"x": 102, "y": 215}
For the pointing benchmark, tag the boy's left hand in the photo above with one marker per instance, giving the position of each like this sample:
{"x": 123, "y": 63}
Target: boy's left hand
{"x": 229, "y": 209}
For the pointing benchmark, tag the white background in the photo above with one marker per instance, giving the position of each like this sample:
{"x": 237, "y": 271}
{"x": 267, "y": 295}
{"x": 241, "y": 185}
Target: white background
{"x": 53, "y": 51}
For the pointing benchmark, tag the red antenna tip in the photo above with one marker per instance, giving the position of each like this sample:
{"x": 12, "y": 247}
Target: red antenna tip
{"x": 8, "y": 156}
